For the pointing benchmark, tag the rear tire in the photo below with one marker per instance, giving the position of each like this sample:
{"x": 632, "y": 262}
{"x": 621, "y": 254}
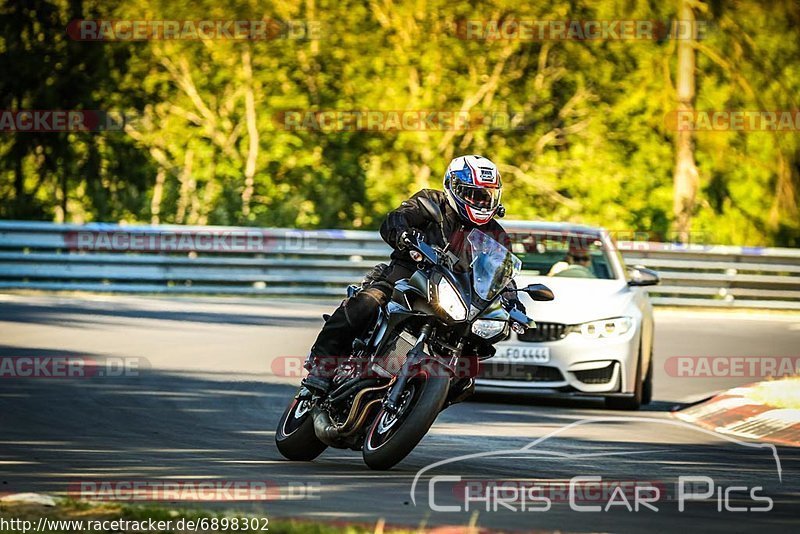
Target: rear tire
{"x": 295, "y": 435}
{"x": 391, "y": 438}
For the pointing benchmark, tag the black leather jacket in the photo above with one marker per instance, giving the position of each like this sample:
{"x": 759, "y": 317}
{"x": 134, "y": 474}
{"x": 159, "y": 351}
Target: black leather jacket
{"x": 411, "y": 215}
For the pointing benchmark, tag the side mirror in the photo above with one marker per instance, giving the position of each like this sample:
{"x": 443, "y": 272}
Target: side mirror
{"x": 539, "y": 292}
{"x": 433, "y": 210}
{"x": 639, "y": 276}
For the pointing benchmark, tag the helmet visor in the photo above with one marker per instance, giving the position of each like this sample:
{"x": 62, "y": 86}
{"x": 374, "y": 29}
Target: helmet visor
{"x": 478, "y": 197}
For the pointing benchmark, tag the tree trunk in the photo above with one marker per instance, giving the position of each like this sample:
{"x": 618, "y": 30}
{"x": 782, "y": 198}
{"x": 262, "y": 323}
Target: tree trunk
{"x": 187, "y": 191}
{"x": 20, "y": 200}
{"x": 158, "y": 191}
{"x": 685, "y": 178}
{"x": 252, "y": 133}
{"x": 784, "y": 206}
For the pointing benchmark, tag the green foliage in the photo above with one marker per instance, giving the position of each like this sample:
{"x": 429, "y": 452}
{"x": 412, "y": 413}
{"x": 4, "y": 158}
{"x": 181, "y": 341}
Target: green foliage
{"x": 593, "y": 146}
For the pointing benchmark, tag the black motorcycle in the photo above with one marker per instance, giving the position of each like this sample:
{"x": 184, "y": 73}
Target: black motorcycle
{"x": 420, "y": 356}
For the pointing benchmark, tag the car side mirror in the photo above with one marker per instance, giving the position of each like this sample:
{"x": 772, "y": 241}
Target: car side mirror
{"x": 640, "y": 276}
{"x": 539, "y": 292}
{"x": 432, "y": 209}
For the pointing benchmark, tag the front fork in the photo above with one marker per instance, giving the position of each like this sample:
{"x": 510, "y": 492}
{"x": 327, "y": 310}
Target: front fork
{"x": 392, "y": 402}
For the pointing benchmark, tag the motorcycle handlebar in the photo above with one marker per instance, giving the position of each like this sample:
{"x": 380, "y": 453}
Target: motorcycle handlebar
{"x": 414, "y": 243}
{"x": 521, "y": 318}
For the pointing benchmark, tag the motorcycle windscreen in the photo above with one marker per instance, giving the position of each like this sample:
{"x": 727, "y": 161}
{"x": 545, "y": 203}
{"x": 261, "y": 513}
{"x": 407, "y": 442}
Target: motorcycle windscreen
{"x": 493, "y": 265}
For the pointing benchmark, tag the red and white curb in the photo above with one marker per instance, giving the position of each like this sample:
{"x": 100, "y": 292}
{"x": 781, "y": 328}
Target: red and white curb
{"x": 734, "y": 414}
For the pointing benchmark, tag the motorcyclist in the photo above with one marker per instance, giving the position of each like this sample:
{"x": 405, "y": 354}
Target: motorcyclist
{"x": 471, "y": 199}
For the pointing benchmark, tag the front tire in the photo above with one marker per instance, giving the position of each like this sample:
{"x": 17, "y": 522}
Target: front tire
{"x": 647, "y": 387}
{"x": 634, "y": 402}
{"x": 392, "y": 437}
{"x": 295, "y": 435}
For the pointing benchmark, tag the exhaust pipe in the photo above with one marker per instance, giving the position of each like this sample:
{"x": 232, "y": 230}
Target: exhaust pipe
{"x": 329, "y": 433}
{"x": 324, "y": 429}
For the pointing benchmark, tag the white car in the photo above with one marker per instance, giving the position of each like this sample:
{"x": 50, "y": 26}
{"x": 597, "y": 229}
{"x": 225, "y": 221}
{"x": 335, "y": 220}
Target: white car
{"x": 595, "y": 338}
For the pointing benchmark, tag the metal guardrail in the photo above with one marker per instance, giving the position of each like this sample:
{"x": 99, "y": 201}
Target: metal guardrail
{"x": 235, "y": 260}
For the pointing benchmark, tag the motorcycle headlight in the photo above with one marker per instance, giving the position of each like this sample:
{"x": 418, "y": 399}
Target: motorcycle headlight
{"x": 605, "y": 328}
{"x": 449, "y": 300}
{"x": 487, "y": 328}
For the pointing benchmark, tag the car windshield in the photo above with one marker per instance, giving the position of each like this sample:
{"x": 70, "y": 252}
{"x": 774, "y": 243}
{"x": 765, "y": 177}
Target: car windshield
{"x": 493, "y": 265}
{"x": 564, "y": 254}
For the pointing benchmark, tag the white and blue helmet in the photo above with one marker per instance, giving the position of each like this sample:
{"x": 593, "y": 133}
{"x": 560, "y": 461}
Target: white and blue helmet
{"x": 473, "y": 188}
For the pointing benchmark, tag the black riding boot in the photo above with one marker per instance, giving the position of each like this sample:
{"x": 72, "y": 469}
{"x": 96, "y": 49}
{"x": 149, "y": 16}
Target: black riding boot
{"x": 335, "y": 341}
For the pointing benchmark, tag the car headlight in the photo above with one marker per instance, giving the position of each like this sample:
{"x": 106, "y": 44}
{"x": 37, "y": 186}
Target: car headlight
{"x": 449, "y": 300}
{"x": 488, "y": 328}
{"x": 614, "y": 327}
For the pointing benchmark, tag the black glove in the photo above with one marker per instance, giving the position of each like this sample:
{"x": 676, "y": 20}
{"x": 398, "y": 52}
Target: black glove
{"x": 410, "y": 235}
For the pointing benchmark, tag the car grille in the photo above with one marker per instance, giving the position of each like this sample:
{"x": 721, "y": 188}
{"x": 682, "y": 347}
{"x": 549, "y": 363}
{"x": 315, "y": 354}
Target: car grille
{"x": 596, "y": 376}
{"x": 544, "y": 332}
{"x": 520, "y": 372}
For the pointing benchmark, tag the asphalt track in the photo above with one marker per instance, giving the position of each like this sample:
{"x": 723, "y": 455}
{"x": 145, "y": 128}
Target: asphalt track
{"x": 204, "y": 402}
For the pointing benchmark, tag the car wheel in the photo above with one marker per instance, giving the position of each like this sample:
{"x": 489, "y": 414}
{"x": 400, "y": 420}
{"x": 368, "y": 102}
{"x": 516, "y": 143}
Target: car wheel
{"x": 630, "y": 403}
{"x": 647, "y": 387}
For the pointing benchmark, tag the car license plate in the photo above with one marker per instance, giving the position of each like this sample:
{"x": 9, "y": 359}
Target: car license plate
{"x": 524, "y": 354}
